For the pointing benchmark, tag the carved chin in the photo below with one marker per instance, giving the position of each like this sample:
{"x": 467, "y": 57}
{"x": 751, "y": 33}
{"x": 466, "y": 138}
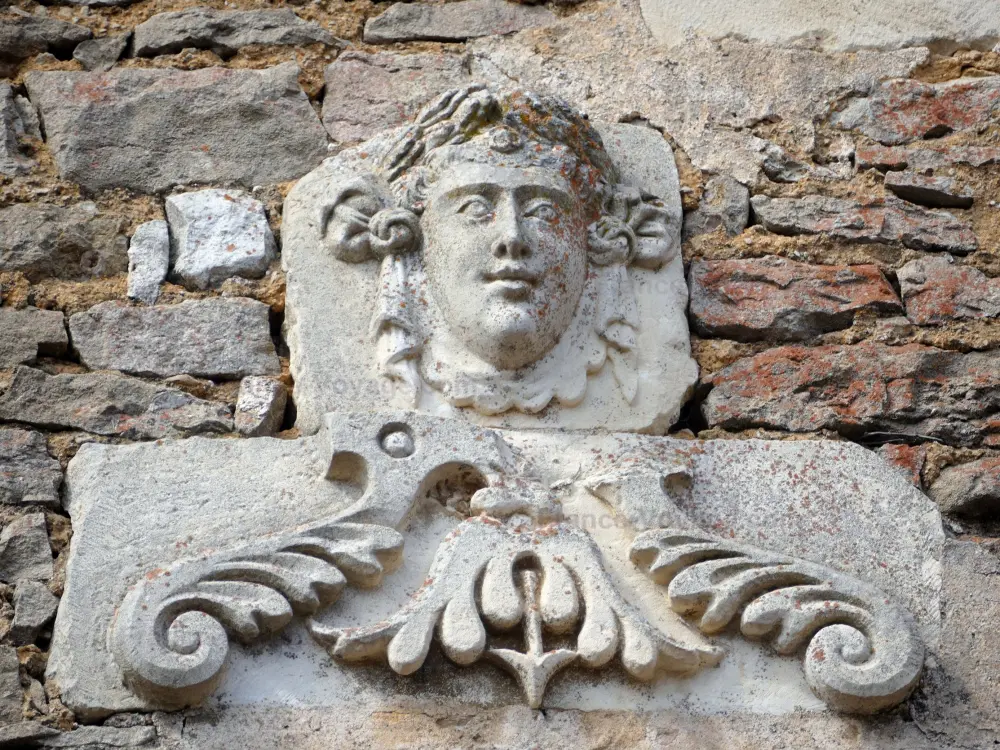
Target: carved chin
{"x": 509, "y": 338}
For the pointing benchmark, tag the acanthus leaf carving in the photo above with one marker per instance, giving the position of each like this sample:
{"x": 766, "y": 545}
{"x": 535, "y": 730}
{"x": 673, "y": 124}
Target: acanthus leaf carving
{"x": 547, "y": 579}
{"x": 171, "y": 633}
{"x": 863, "y": 653}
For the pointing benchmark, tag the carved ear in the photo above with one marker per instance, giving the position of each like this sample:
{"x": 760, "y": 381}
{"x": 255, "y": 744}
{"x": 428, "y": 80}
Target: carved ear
{"x": 359, "y": 222}
{"x": 657, "y": 230}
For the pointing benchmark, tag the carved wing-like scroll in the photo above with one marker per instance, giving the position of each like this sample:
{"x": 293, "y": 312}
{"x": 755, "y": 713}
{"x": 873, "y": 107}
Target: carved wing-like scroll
{"x": 170, "y": 634}
{"x": 863, "y": 654}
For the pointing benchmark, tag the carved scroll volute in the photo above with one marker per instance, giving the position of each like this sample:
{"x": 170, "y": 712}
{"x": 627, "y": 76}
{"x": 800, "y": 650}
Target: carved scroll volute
{"x": 171, "y": 633}
{"x": 863, "y": 653}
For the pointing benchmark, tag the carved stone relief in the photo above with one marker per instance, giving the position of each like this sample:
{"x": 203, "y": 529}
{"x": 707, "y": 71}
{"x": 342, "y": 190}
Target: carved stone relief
{"x": 529, "y": 556}
{"x": 492, "y": 261}
{"x": 486, "y": 268}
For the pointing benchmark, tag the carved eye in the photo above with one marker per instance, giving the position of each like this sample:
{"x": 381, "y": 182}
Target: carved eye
{"x": 541, "y": 210}
{"x": 476, "y": 207}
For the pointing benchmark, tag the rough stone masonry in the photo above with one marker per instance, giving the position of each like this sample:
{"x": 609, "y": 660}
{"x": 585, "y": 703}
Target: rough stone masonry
{"x": 780, "y": 346}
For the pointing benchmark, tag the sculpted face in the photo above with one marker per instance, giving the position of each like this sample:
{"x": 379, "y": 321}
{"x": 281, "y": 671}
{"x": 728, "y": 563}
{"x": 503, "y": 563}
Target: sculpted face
{"x": 506, "y": 258}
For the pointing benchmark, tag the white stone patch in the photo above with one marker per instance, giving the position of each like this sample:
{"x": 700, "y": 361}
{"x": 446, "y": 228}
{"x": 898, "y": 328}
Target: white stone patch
{"x": 217, "y": 234}
{"x": 887, "y": 24}
{"x": 148, "y": 261}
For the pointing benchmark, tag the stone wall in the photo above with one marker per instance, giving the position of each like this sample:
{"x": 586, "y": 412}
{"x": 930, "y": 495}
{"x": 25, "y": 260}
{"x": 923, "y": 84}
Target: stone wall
{"x": 842, "y": 215}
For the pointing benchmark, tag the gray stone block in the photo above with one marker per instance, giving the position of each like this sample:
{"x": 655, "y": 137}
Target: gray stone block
{"x": 453, "y": 22}
{"x": 28, "y": 474}
{"x": 220, "y": 338}
{"x": 25, "y": 554}
{"x": 30, "y": 333}
{"x": 73, "y": 243}
{"x": 224, "y": 31}
{"x": 109, "y": 404}
{"x": 149, "y": 130}
{"x": 101, "y": 54}
{"x": 24, "y": 36}
{"x": 148, "y": 261}
{"x": 11, "y": 695}
{"x": 366, "y": 92}
{"x": 34, "y": 608}
{"x": 260, "y": 406}
{"x": 12, "y": 160}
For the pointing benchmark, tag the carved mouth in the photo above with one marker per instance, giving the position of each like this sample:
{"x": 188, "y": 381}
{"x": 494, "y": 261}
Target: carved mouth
{"x": 513, "y": 281}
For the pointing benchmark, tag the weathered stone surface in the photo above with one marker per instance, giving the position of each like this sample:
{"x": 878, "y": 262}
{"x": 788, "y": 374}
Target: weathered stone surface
{"x": 24, "y": 36}
{"x": 936, "y": 192}
{"x": 224, "y": 338}
{"x": 148, "y": 261}
{"x": 148, "y": 130}
{"x": 25, "y": 554}
{"x": 34, "y": 608}
{"x": 101, "y": 54}
{"x": 879, "y": 529}
{"x": 453, "y": 22}
{"x": 99, "y": 3}
{"x": 260, "y": 406}
{"x": 366, "y": 93}
{"x": 30, "y": 333}
{"x": 971, "y": 489}
{"x": 10, "y": 687}
{"x": 938, "y": 290}
{"x": 908, "y": 459}
{"x": 714, "y": 124}
{"x": 108, "y": 404}
{"x": 73, "y": 243}
{"x": 217, "y": 234}
{"x": 223, "y": 31}
{"x": 103, "y": 738}
{"x": 783, "y": 300}
{"x": 890, "y": 24}
{"x": 12, "y": 160}
{"x": 725, "y": 203}
{"x": 961, "y": 701}
{"x": 909, "y": 390}
{"x": 902, "y": 111}
{"x": 28, "y": 475}
{"x": 17, "y": 735}
{"x": 889, "y": 220}
{"x": 920, "y": 158}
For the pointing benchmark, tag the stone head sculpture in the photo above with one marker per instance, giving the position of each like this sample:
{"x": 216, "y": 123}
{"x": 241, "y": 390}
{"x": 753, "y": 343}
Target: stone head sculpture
{"x": 504, "y": 239}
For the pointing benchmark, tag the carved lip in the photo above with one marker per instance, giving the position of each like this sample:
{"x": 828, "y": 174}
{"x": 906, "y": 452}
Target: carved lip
{"x": 515, "y": 281}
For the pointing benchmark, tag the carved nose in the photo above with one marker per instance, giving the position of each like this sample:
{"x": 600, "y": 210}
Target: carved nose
{"x": 509, "y": 245}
